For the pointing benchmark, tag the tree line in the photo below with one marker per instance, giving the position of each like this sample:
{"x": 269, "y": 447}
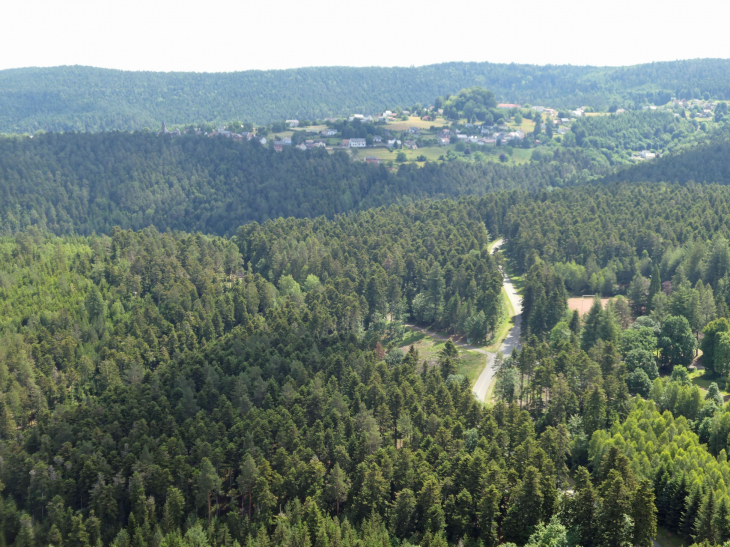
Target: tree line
{"x": 94, "y": 99}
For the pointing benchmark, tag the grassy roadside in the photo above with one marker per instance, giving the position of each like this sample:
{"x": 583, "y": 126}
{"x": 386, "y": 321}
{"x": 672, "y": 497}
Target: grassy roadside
{"x": 504, "y": 327}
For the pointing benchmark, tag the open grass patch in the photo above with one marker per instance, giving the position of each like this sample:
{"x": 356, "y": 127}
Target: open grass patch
{"x": 665, "y": 538}
{"x": 469, "y": 363}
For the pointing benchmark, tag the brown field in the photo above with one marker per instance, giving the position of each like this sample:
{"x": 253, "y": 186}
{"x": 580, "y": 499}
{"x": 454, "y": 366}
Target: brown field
{"x": 583, "y": 304}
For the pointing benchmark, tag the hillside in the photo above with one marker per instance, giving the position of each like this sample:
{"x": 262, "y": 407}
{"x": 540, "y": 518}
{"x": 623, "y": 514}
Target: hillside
{"x": 75, "y": 98}
{"x": 85, "y": 183}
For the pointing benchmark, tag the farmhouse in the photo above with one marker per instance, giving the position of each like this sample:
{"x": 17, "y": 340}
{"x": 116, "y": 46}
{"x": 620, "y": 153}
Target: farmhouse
{"x": 645, "y": 154}
{"x": 345, "y": 143}
{"x": 292, "y": 123}
{"x": 444, "y": 141}
{"x": 414, "y": 130}
{"x": 377, "y": 138}
{"x": 329, "y": 132}
{"x": 411, "y": 144}
{"x": 357, "y": 143}
{"x": 372, "y": 159}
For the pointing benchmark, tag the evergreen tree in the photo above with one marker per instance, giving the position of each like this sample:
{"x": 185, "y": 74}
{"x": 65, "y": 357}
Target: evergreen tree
{"x": 691, "y": 510}
{"x": 721, "y": 523}
{"x": 655, "y": 286}
{"x": 644, "y": 514}
{"x": 337, "y": 486}
{"x": 208, "y": 482}
{"x": 616, "y": 529}
{"x": 705, "y": 522}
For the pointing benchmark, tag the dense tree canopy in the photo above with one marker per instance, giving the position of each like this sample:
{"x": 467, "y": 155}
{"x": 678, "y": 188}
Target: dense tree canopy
{"x": 92, "y": 99}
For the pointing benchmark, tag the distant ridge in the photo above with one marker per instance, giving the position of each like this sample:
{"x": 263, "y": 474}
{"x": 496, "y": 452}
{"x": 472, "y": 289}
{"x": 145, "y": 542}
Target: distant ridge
{"x": 76, "y": 98}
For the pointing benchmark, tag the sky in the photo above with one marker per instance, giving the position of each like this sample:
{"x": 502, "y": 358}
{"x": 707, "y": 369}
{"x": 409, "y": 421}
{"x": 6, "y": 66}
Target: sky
{"x": 228, "y": 35}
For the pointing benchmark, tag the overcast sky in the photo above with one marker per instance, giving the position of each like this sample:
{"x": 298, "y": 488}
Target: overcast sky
{"x": 228, "y": 35}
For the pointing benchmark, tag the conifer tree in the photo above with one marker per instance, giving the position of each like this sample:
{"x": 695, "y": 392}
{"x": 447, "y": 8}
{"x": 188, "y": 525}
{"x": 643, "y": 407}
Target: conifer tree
{"x": 721, "y": 523}
{"x": 691, "y": 510}
{"x": 655, "y": 286}
{"x": 644, "y": 515}
{"x": 705, "y": 521}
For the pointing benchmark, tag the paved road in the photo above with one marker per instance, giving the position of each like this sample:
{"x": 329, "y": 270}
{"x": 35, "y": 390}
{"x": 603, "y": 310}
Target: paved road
{"x": 511, "y": 342}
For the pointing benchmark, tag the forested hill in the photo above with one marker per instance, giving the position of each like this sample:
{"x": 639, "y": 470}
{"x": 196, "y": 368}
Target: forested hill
{"x": 84, "y": 183}
{"x": 93, "y": 99}
{"x": 707, "y": 162}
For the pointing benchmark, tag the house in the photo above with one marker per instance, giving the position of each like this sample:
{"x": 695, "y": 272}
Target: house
{"x": 372, "y": 159}
{"x": 262, "y": 140}
{"x": 367, "y": 119}
{"x": 576, "y": 113}
{"x": 444, "y": 141}
{"x": 489, "y": 141}
{"x": 538, "y": 108}
{"x": 462, "y": 137}
{"x": 237, "y": 137}
{"x": 508, "y": 105}
{"x": 414, "y": 130}
{"x": 292, "y": 123}
{"x": 286, "y": 141}
{"x": 302, "y": 146}
{"x": 329, "y": 132}
{"x": 319, "y": 144}
{"x": 357, "y": 143}
{"x": 377, "y": 138}
{"x": 473, "y": 138}
{"x": 278, "y": 147}
{"x": 411, "y": 144}
{"x": 620, "y": 111}
{"x": 345, "y": 143}
{"x": 645, "y": 154}
{"x": 249, "y": 136}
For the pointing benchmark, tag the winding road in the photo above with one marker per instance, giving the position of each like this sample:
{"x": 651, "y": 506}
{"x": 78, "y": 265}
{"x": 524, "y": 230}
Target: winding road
{"x": 511, "y": 342}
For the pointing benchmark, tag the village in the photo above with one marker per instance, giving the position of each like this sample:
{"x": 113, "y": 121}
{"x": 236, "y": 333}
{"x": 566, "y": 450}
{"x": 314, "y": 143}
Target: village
{"x": 401, "y": 136}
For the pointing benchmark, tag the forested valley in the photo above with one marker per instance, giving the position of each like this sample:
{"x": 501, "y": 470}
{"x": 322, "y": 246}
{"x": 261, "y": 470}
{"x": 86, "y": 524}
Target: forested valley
{"x": 182, "y": 389}
{"x": 203, "y": 342}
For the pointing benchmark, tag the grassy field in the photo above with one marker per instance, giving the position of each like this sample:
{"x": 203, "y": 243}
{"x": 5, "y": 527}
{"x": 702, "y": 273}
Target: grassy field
{"x": 665, "y": 538}
{"x": 698, "y": 379}
{"x": 527, "y": 126}
{"x": 415, "y": 121}
{"x": 432, "y": 153}
{"x": 469, "y": 363}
